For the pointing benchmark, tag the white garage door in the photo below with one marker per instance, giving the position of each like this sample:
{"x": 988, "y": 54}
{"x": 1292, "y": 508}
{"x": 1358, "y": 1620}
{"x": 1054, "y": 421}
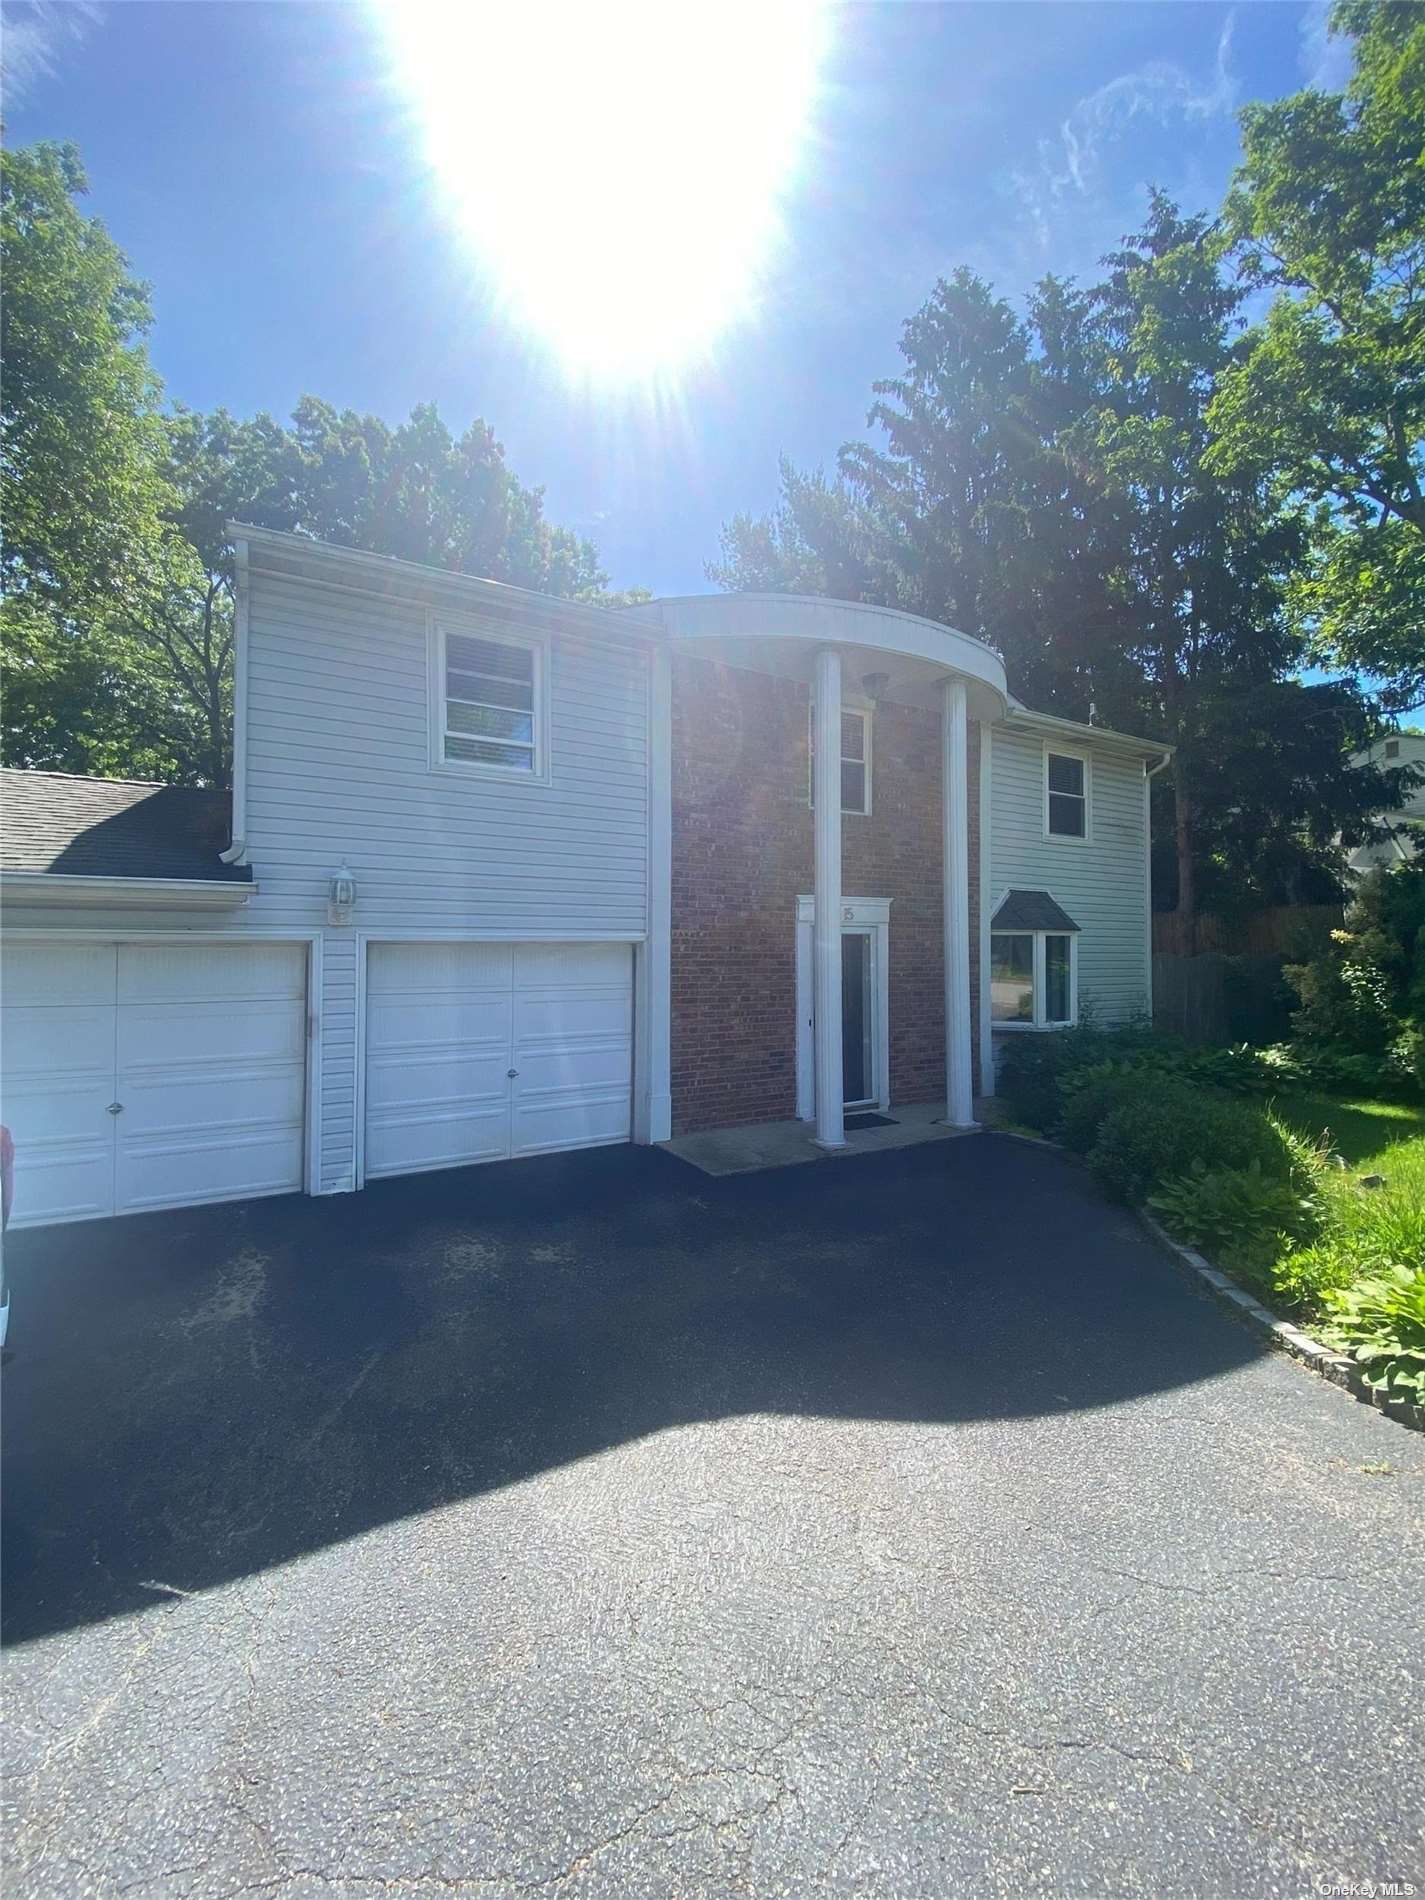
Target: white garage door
{"x": 479, "y": 1051}
{"x": 140, "y": 1076}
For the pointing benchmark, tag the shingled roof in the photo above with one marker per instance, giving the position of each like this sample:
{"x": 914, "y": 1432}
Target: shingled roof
{"x": 1031, "y": 910}
{"x": 103, "y": 827}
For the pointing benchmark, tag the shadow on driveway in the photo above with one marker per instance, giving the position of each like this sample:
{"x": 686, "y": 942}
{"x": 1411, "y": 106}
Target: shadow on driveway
{"x": 197, "y": 1396}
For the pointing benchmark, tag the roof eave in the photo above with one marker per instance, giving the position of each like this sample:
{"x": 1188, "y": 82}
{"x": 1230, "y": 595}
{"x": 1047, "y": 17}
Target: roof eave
{"x": 435, "y": 586}
{"x": 1023, "y": 718}
{"x": 58, "y": 889}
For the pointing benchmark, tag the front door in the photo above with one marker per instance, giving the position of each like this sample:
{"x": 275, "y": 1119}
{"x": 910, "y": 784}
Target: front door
{"x": 858, "y": 1020}
{"x": 865, "y": 955}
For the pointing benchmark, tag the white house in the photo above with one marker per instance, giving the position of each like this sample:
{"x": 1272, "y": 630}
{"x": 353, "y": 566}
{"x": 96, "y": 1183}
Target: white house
{"x": 502, "y": 875}
{"x": 1407, "y": 825}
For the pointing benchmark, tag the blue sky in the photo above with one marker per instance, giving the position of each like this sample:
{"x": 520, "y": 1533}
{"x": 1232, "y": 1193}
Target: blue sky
{"x": 253, "y": 162}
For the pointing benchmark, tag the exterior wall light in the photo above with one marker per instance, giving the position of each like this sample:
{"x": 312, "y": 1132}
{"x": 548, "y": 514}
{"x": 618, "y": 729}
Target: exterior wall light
{"x": 341, "y": 895}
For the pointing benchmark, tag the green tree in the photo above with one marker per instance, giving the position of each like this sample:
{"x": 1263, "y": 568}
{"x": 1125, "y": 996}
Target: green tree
{"x": 1328, "y": 212}
{"x": 420, "y": 493}
{"x": 81, "y": 487}
{"x": 1207, "y": 553}
{"x": 118, "y": 609}
{"x": 1041, "y": 484}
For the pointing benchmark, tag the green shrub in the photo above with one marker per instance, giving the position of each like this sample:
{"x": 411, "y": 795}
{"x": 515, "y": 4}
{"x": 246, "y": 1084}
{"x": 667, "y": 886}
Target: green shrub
{"x": 1299, "y": 1281}
{"x": 1163, "y": 1131}
{"x": 1380, "y": 1321}
{"x": 1363, "y": 997}
{"x": 1036, "y": 1072}
{"x": 1242, "y": 1209}
{"x": 1240, "y": 1070}
{"x": 1089, "y": 1096}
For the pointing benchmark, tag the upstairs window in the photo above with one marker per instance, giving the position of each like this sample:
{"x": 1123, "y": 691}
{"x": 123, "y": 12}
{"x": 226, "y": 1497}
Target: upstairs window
{"x": 855, "y": 761}
{"x": 1392, "y": 748}
{"x": 488, "y": 703}
{"x": 1066, "y": 795}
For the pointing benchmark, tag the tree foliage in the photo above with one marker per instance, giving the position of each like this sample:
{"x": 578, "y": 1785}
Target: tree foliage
{"x": 1328, "y": 212}
{"x": 119, "y": 580}
{"x": 1043, "y": 483}
{"x": 81, "y": 484}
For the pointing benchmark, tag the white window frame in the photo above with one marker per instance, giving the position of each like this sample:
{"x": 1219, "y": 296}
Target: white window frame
{"x": 437, "y": 627}
{"x": 1086, "y": 760}
{"x": 850, "y": 709}
{"x": 1040, "y": 1024}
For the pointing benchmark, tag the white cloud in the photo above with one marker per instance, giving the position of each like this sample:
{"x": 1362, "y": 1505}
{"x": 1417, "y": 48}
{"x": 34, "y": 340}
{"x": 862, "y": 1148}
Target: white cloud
{"x": 36, "y": 35}
{"x": 1326, "y": 62}
{"x": 1072, "y": 162}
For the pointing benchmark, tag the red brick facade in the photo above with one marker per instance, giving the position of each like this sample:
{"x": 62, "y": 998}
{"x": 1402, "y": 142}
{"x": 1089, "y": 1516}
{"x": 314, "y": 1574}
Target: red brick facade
{"x": 742, "y": 855}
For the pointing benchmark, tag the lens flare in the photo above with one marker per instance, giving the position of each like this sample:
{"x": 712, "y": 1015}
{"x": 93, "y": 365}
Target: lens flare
{"x": 620, "y": 168}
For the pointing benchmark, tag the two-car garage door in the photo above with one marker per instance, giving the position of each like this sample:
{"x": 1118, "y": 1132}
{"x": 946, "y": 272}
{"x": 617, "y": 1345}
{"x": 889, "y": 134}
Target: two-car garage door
{"x": 141, "y": 1076}
{"x": 479, "y": 1051}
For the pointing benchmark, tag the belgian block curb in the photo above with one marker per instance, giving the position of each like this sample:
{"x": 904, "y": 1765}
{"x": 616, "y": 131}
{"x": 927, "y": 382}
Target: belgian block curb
{"x": 1337, "y": 1367}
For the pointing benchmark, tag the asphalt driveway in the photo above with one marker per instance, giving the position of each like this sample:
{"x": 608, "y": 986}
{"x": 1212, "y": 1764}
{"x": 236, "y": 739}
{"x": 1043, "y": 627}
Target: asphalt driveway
{"x": 903, "y": 1526}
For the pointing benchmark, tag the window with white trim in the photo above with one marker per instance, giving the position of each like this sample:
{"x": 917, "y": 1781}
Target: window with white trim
{"x": 855, "y": 760}
{"x": 489, "y": 702}
{"x": 1066, "y": 795}
{"x": 1033, "y": 979}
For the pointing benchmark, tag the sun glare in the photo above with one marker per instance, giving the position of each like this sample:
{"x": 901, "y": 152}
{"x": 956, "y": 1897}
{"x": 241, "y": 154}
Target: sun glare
{"x": 619, "y": 167}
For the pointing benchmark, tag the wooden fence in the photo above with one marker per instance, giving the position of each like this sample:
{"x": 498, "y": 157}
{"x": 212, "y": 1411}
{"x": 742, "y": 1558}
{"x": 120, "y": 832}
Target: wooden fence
{"x": 1216, "y": 998}
{"x": 1279, "y": 931}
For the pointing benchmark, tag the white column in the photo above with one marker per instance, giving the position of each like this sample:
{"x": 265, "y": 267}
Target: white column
{"x": 987, "y": 1046}
{"x": 653, "y": 1100}
{"x": 959, "y": 1088}
{"x": 826, "y": 951}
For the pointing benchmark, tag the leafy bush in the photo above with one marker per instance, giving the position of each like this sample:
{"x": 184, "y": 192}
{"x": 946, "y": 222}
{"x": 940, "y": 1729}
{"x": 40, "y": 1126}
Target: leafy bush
{"x": 1240, "y": 1069}
{"x": 1162, "y": 1132}
{"x": 1363, "y": 996}
{"x": 1380, "y": 1320}
{"x": 1238, "y": 1208}
{"x": 1299, "y": 1280}
{"x": 1035, "y": 1069}
{"x": 1091, "y": 1095}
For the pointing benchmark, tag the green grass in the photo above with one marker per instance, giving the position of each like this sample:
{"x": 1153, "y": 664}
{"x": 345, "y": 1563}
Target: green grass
{"x": 1362, "y": 1228}
{"x": 1363, "y": 1131}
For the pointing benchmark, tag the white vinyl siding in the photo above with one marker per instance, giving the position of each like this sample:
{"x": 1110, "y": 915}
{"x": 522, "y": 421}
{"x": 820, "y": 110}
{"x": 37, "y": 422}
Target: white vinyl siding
{"x": 339, "y": 767}
{"x": 1101, "y": 881}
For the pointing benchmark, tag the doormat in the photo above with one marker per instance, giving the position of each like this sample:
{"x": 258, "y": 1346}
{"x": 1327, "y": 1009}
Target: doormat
{"x": 870, "y": 1120}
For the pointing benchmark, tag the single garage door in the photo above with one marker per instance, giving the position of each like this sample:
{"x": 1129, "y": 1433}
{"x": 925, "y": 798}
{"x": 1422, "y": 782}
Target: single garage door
{"x": 480, "y": 1051}
{"x": 140, "y": 1076}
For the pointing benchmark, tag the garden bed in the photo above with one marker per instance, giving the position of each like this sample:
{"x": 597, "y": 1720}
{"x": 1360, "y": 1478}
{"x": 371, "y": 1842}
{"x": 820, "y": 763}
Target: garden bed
{"x": 1312, "y": 1206}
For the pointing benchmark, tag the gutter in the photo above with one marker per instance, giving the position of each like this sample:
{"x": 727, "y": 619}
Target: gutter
{"x": 61, "y": 891}
{"x": 236, "y": 852}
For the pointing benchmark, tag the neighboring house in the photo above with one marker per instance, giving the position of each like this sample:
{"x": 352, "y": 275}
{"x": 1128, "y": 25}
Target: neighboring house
{"x": 502, "y": 875}
{"x": 1406, "y": 747}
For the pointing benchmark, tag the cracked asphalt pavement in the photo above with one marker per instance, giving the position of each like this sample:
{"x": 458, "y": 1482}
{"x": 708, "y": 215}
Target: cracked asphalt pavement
{"x": 906, "y": 1526}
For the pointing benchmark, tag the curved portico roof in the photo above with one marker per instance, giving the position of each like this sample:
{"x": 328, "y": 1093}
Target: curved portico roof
{"x": 886, "y": 653}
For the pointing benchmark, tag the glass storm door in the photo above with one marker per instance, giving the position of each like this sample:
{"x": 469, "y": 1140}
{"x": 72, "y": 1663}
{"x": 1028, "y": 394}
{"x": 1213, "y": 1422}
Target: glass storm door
{"x": 858, "y": 1019}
